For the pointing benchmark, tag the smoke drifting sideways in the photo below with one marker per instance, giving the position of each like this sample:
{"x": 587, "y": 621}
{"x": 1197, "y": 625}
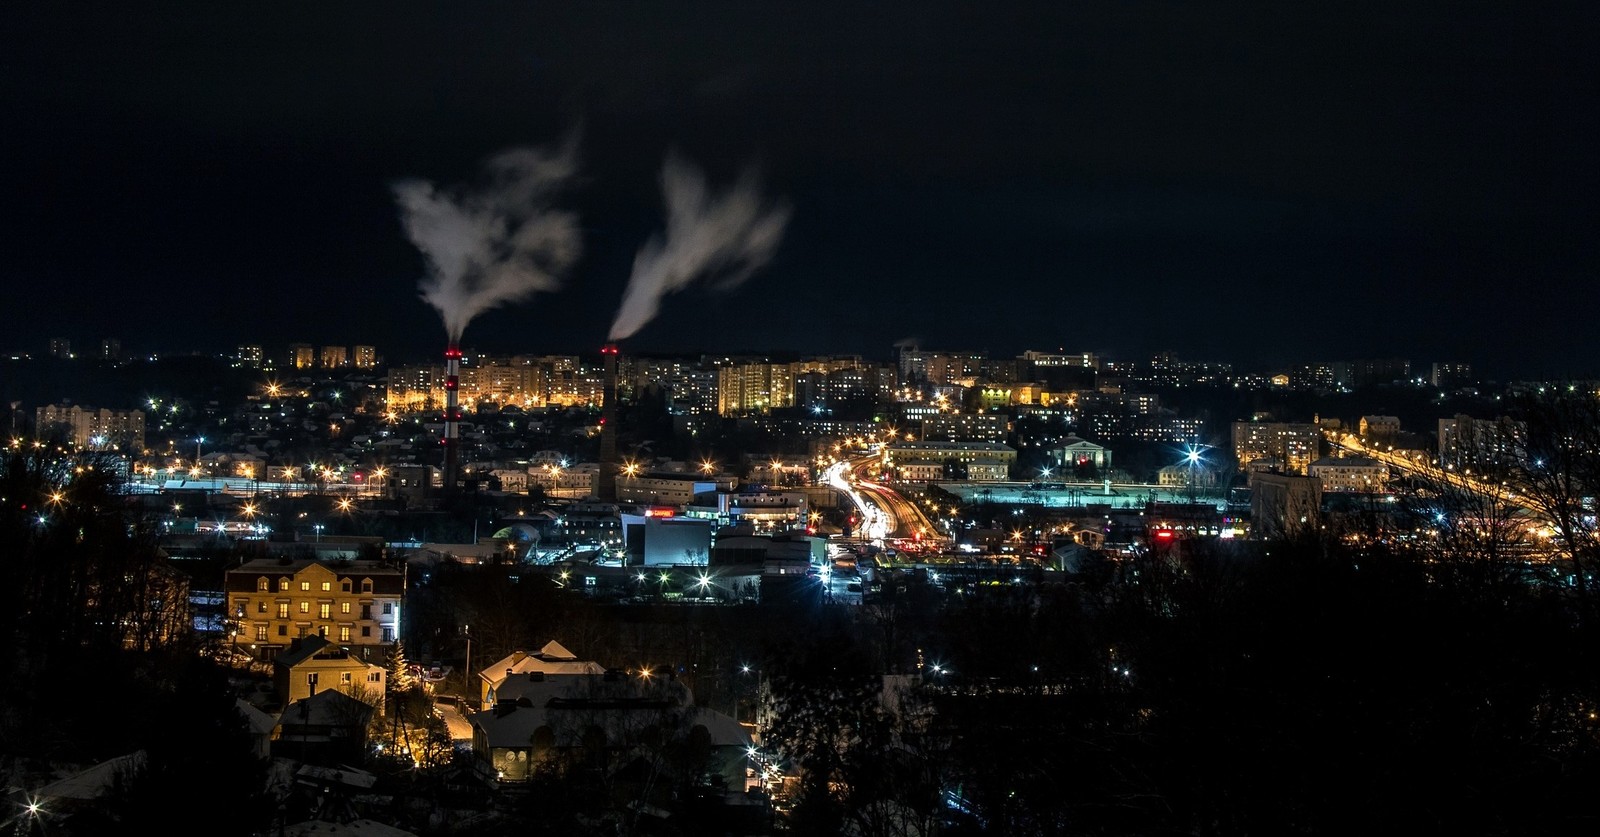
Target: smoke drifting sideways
{"x": 498, "y": 243}
{"x": 721, "y": 240}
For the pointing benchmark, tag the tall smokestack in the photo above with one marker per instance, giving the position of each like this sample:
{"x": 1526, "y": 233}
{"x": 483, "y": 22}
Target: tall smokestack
{"x": 607, "y": 488}
{"x": 452, "y": 416}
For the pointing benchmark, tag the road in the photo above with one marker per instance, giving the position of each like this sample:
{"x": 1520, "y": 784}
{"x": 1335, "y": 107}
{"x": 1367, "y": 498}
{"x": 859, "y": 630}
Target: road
{"x": 906, "y": 519}
{"x": 1400, "y": 461}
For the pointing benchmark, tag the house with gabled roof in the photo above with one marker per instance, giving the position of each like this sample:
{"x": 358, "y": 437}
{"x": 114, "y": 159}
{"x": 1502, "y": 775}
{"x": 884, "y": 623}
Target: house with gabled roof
{"x": 314, "y": 664}
{"x": 328, "y": 727}
{"x": 607, "y": 718}
{"x": 507, "y": 677}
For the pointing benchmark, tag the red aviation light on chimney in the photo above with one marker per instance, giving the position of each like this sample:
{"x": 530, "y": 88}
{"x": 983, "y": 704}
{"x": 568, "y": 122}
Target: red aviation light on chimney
{"x": 453, "y": 353}
{"x": 608, "y": 349}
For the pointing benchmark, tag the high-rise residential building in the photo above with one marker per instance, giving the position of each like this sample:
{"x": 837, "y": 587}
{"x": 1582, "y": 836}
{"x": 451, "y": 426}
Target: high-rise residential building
{"x": 505, "y": 381}
{"x": 754, "y": 388}
{"x": 97, "y": 428}
{"x": 1485, "y": 445}
{"x": 694, "y": 393}
{"x": 1295, "y": 445}
{"x": 415, "y": 388}
{"x": 302, "y": 356}
{"x": 966, "y": 427}
{"x": 941, "y": 367}
{"x": 838, "y": 385}
{"x": 520, "y": 381}
{"x": 1359, "y": 373}
{"x": 247, "y": 357}
{"x": 60, "y": 347}
{"x": 364, "y": 357}
{"x": 1084, "y": 360}
{"x": 1283, "y": 505}
{"x": 1450, "y": 374}
{"x": 110, "y": 349}
{"x": 334, "y": 357}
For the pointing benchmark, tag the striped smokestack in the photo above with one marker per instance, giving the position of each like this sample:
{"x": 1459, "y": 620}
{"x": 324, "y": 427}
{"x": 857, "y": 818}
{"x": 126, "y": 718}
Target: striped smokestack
{"x": 452, "y": 416}
{"x": 606, "y": 490}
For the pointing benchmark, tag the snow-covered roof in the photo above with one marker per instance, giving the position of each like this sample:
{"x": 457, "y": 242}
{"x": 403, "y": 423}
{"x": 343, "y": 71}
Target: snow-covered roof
{"x": 514, "y": 727}
{"x": 353, "y": 828}
{"x": 325, "y": 708}
{"x": 261, "y": 723}
{"x": 93, "y": 782}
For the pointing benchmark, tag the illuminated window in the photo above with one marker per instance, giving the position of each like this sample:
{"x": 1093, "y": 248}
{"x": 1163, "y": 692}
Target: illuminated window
{"x": 324, "y": 610}
{"x": 261, "y": 585}
{"x": 261, "y": 606}
{"x": 322, "y": 631}
{"x": 344, "y": 633}
{"x": 344, "y": 607}
{"x": 305, "y": 607}
{"x": 327, "y": 586}
{"x": 344, "y": 678}
{"x": 283, "y": 610}
{"x": 283, "y": 584}
{"x": 261, "y": 633}
{"x": 305, "y": 586}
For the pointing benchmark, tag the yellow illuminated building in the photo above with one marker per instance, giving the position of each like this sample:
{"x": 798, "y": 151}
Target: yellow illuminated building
{"x": 754, "y": 388}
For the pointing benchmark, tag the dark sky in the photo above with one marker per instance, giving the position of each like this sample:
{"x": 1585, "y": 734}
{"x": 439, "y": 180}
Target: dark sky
{"x": 1252, "y": 182}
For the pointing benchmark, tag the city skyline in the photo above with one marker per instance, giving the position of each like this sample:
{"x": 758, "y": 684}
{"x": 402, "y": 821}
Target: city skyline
{"x": 1252, "y": 186}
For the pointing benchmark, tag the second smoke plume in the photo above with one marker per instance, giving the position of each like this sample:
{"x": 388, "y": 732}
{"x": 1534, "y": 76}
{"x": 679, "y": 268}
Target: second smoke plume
{"x": 720, "y": 239}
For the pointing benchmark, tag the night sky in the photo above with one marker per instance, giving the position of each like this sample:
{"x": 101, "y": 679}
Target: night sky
{"x": 1252, "y": 182}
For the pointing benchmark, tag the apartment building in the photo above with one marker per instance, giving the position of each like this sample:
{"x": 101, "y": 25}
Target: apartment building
{"x": 354, "y": 604}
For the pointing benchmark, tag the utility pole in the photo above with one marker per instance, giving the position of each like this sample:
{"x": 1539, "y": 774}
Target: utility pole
{"x": 466, "y": 675}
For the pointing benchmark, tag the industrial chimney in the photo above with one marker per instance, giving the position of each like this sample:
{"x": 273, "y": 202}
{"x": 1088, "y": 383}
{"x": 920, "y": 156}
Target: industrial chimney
{"x": 606, "y": 489}
{"x": 452, "y": 416}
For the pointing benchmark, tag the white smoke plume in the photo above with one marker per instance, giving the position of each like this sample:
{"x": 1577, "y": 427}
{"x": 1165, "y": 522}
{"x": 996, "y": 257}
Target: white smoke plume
{"x": 498, "y": 243}
{"x": 721, "y": 239}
